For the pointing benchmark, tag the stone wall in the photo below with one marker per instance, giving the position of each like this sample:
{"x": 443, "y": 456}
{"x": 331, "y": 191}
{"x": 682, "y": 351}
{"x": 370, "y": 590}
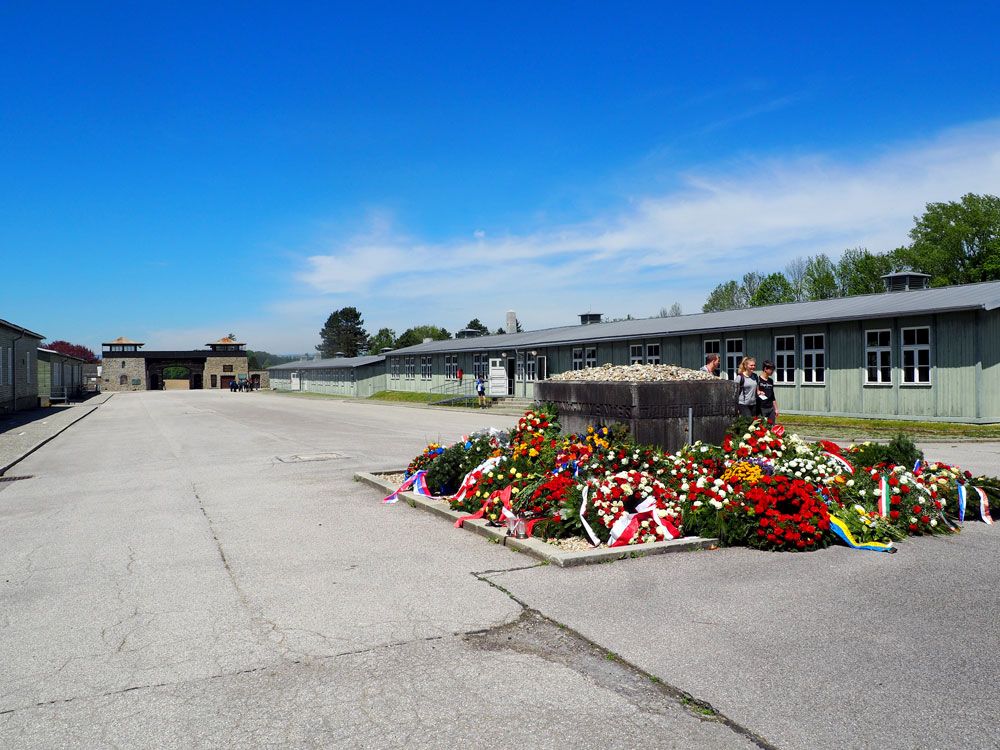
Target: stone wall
{"x": 112, "y": 369}
{"x": 655, "y": 413}
{"x": 216, "y": 366}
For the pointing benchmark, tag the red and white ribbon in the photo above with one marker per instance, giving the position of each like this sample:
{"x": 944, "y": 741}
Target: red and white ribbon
{"x": 418, "y": 482}
{"x": 472, "y": 478}
{"x": 984, "y": 506}
{"x": 628, "y": 524}
{"x": 840, "y": 461}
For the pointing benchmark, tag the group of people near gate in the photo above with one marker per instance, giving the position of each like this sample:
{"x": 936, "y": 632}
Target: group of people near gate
{"x": 240, "y": 386}
{"x": 754, "y": 390}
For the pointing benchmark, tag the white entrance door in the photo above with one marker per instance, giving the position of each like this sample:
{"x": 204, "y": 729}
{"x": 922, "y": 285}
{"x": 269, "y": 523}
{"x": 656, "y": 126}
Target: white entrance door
{"x": 498, "y": 378}
{"x": 295, "y": 381}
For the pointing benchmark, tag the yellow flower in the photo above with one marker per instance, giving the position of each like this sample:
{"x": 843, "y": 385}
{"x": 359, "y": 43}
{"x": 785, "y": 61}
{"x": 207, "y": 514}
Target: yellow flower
{"x": 532, "y": 453}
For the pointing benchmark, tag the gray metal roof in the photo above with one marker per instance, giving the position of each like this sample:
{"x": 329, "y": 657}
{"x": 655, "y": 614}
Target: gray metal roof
{"x": 19, "y": 329}
{"x": 983, "y": 296}
{"x": 326, "y": 364}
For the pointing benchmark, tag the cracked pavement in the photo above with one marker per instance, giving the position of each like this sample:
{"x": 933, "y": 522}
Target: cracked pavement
{"x": 166, "y": 581}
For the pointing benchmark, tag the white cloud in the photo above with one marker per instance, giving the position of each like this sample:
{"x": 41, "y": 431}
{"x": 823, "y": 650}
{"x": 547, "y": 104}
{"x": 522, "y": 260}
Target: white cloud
{"x": 720, "y": 222}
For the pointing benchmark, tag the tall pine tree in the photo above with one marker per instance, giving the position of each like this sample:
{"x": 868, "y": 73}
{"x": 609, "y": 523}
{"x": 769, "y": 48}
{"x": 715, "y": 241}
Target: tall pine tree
{"x": 344, "y": 332}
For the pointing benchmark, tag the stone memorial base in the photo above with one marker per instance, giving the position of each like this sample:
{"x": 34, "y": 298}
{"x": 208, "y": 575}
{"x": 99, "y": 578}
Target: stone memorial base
{"x": 656, "y": 413}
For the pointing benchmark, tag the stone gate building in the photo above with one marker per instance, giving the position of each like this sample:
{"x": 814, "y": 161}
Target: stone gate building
{"x": 127, "y": 367}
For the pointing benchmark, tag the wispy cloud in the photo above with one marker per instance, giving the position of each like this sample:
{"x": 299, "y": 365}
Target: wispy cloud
{"x": 756, "y": 214}
{"x": 720, "y": 222}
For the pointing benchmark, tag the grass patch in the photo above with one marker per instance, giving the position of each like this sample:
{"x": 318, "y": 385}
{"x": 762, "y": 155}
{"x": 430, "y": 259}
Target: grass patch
{"x": 853, "y": 427}
{"x": 413, "y": 397}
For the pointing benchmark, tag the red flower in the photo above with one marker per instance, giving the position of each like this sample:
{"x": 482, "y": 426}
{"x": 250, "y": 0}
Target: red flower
{"x": 913, "y": 527}
{"x": 925, "y": 519}
{"x": 893, "y": 514}
{"x": 916, "y": 509}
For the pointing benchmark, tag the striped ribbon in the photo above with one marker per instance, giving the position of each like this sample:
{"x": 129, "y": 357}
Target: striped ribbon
{"x": 627, "y": 525}
{"x": 885, "y": 493}
{"x": 984, "y": 506}
{"x": 418, "y": 481}
{"x": 843, "y": 533}
{"x": 840, "y": 461}
{"x": 961, "y": 501}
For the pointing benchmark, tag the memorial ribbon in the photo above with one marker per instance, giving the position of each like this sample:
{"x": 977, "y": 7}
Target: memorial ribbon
{"x": 583, "y": 519}
{"x": 840, "y": 461}
{"x": 885, "y": 493}
{"x": 410, "y": 482}
{"x": 984, "y": 506}
{"x": 961, "y": 501}
{"x": 628, "y": 524}
{"x": 838, "y": 527}
{"x": 468, "y": 483}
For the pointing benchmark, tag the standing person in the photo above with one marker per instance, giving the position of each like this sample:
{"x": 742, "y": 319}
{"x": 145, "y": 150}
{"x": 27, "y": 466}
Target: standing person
{"x": 481, "y": 391}
{"x": 765, "y": 393}
{"x": 459, "y": 374}
{"x": 713, "y": 366}
{"x": 746, "y": 388}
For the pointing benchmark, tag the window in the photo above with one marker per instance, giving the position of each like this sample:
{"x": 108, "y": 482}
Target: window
{"x": 426, "y": 367}
{"x": 635, "y": 354}
{"x": 481, "y": 365}
{"x": 813, "y": 358}
{"x": 394, "y": 368}
{"x": 123, "y": 364}
{"x": 122, "y": 380}
{"x": 520, "y": 366}
{"x": 227, "y": 368}
{"x": 916, "y": 355}
{"x": 578, "y": 359}
{"x": 590, "y": 356}
{"x": 878, "y": 357}
{"x": 712, "y": 347}
{"x": 451, "y": 366}
{"x": 530, "y": 365}
{"x": 652, "y": 354}
{"x": 411, "y": 368}
{"x": 784, "y": 359}
{"x": 734, "y": 355}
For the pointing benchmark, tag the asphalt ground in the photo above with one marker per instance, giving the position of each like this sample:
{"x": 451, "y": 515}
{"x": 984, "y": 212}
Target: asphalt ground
{"x": 198, "y": 570}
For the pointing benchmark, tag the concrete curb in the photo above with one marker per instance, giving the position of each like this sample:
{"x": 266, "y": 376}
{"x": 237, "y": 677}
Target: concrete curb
{"x": 536, "y": 547}
{"x": 53, "y": 436}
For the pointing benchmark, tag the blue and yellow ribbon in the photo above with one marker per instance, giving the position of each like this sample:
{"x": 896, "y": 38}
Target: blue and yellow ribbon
{"x": 839, "y": 528}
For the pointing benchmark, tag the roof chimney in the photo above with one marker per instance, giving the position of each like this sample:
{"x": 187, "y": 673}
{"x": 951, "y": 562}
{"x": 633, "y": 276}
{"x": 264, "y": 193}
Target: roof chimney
{"x": 589, "y": 317}
{"x": 905, "y": 281}
{"x": 511, "y": 321}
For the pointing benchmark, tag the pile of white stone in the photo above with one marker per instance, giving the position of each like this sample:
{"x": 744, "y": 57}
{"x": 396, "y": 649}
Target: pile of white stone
{"x": 633, "y": 374}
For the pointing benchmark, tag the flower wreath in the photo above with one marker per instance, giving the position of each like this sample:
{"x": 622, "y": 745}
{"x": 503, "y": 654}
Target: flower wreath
{"x": 633, "y": 507}
{"x": 790, "y": 514}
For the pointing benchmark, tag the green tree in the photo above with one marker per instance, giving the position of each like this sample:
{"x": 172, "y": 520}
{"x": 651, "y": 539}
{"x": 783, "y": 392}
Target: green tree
{"x": 795, "y": 272}
{"x": 261, "y": 360}
{"x": 726, "y": 296}
{"x": 384, "y": 339}
{"x": 860, "y": 271}
{"x": 417, "y": 334}
{"x": 957, "y": 242}
{"x": 819, "y": 281}
{"x": 343, "y": 332}
{"x": 749, "y": 286}
{"x": 773, "y": 289}
{"x": 477, "y": 325}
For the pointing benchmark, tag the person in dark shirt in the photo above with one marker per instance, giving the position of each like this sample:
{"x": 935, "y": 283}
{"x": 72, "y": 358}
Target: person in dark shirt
{"x": 765, "y": 393}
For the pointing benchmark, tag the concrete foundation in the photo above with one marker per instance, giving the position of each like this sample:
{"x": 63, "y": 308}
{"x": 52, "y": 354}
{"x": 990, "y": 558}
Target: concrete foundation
{"x": 658, "y": 414}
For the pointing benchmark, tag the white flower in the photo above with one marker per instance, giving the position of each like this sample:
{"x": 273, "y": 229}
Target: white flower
{"x": 850, "y": 482}
{"x": 715, "y": 504}
{"x": 704, "y": 449}
{"x": 912, "y": 519}
{"x": 696, "y": 504}
{"x": 862, "y": 492}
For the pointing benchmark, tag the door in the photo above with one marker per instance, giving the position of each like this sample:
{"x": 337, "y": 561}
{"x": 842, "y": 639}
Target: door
{"x": 498, "y": 378}
{"x": 511, "y": 370}
{"x": 295, "y": 381}
{"x": 226, "y": 381}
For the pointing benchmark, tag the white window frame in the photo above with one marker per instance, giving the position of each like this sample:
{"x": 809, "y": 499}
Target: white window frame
{"x": 590, "y": 356}
{"x": 813, "y": 374}
{"x": 784, "y": 359}
{"x": 708, "y": 349}
{"x": 911, "y": 372}
{"x": 451, "y": 366}
{"x": 394, "y": 368}
{"x": 481, "y": 365}
{"x": 635, "y": 356}
{"x": 410, "y": 368}
{"x": 733, "y": 355}
{"x": 881, "y": 352}
{"x": 530, "y": 369}
{"x": 651, "y": 357}
{"x": 426, "y": 366}
{"x": 3, "y": 370}
{"x": 578, "y": 358}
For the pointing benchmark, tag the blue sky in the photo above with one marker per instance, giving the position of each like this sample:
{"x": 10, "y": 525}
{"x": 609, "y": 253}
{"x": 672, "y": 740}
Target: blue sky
{"x": 174, "y": 173}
